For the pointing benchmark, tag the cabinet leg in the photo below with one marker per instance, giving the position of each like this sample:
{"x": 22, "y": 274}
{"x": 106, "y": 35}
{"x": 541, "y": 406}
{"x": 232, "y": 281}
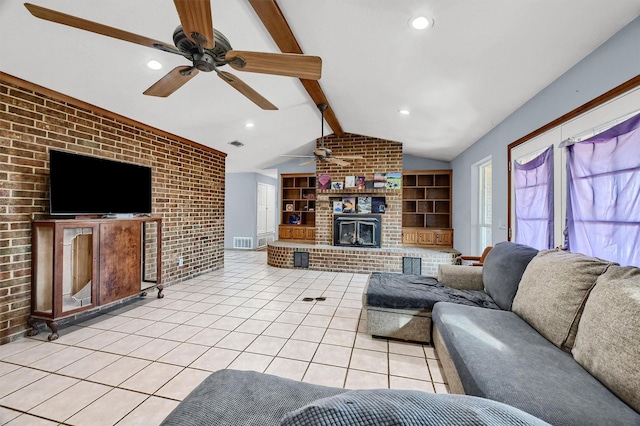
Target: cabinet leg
{"x": 53, "y": 326}
{"x": 33, "y": 323}
{"x": 160, "y": 288}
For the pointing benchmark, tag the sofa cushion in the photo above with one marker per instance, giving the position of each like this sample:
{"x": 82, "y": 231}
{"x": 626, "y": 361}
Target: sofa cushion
{"x": 608, "y": 339}
{"x": 462, "y": 277}
{"x": 502, "y": 270}
{"x": 244, "y": 398}
{"x": 417, "y": 292}
{"x": 406, "y": 407}
{"x": 499, "y": 356}
{"x": 553, "y": 291}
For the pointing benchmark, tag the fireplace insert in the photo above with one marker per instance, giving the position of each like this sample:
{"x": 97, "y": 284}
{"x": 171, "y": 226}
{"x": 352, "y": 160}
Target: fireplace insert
{"x": 357, "y": 230}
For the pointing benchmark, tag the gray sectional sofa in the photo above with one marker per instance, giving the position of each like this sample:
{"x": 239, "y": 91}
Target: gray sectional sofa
{"x": 565, "y": 345}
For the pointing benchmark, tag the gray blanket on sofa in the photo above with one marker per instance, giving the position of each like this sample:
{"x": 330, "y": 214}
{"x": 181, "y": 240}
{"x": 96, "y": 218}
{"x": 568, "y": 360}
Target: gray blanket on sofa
{"x": 247, "y": 398}
{"x": 404, "y": 291}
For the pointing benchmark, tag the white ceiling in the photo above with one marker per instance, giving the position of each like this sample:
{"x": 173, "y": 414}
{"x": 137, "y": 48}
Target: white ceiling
{"x": 479, "y": 63}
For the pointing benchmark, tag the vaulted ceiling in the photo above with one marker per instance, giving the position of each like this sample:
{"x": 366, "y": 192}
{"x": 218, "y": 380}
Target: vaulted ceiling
{"x": 478, "y": 63}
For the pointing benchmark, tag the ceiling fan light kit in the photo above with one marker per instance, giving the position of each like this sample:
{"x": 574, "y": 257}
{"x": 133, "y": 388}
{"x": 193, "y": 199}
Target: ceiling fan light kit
{"x": 207, "y": 49}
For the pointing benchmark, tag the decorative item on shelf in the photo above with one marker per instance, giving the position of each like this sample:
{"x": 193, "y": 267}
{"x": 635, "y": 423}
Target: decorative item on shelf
{"x": 349, "y": 181}
{"x": 394, "y": 180}
{"x": 348, "y": 204}
{"x": 378, "y": 204}
{"x": 360, "y": 182}
{"x": 337, "y": 185}
{"x": 294, "y": 219}
{"x": 324, "y": 181}
{"x": 288, "y": 207}
{"x": 337, "y": 206}
{"x": 364, "y": 204}
{"x": 379, "y": 180}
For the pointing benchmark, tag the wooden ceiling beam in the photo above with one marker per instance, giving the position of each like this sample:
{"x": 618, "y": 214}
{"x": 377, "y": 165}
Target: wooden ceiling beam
{"x": 274, "y": 21}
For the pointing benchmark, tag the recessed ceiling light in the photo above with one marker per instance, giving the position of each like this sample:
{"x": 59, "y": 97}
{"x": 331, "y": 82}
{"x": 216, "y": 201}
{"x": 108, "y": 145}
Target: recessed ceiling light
{"x": 403, "y": 111}
{"x": 154, "y": 65}
{"x": 249, "y": 125}
{"x": 421, "y": 23}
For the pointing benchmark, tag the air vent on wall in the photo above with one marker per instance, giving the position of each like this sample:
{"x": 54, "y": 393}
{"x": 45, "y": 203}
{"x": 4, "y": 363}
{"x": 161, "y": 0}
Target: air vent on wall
{"x": 243, "y": 243}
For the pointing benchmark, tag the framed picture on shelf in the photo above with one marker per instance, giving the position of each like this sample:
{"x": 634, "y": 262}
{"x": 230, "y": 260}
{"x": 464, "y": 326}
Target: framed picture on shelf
{"x": 360, "y": 182}
{"x": 337, "y": 185}
{"x": 349, "y": 181}
{"x": 364, "y": 204}
{"x": 394, "y": 180}
{"x": 288, "y": 207}
{"x": 324, "y": 181}
{"x": 378, "y": 204}
{"x": 337, "y": 206}
{"x": 379, "y": 180}
{"x": 348, "y": 204}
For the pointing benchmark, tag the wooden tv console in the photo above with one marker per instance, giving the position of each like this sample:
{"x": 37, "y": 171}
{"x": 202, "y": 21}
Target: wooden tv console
{"x": 81, "y": 266}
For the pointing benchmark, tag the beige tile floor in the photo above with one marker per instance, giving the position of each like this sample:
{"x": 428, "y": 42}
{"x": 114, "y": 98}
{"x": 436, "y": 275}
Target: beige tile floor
{"x": 132, "y": 366}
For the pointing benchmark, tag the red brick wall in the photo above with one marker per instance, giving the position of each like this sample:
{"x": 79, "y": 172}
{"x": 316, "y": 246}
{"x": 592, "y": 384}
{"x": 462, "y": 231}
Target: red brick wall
{"x": 188, "y": 185}
{"x": 379, "y": 156}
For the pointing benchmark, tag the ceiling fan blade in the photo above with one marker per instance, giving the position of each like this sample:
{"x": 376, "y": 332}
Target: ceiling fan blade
{"x": 195, "y": 17}
{"x": 337, "y": 161}
{"x": 94, "y": 27}
{"x": 307, "y": 162}
{"x": 171, "y": 82}
{"x": 287, "y": 64}
{"x": 246, "y": 90}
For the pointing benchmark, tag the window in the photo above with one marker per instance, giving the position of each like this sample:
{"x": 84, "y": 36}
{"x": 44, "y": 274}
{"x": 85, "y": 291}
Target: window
{"x": 534, "y": 209}
{"x": 482, "y": 205}
{"x": 603, "y": 214}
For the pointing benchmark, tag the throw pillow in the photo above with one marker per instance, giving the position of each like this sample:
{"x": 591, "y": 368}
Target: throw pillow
{"x": 407, "y": 408}
{"x": 553, "y": 291}
{"x": 502, "y": 270}
{"x": 608, "y": 340}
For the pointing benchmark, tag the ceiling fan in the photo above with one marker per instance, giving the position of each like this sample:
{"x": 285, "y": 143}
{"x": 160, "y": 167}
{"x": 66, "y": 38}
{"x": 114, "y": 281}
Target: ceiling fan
{"x": 322, "y": 153}
{"x": 207, "y": 49}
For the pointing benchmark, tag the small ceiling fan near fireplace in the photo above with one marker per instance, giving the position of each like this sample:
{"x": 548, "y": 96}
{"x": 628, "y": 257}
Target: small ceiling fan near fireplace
{"x": 322, "y": 153}
{"x": 205, "y": 47}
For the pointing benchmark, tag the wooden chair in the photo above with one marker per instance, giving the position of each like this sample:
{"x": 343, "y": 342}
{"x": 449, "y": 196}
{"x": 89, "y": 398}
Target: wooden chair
{"x": 477, "y": 260}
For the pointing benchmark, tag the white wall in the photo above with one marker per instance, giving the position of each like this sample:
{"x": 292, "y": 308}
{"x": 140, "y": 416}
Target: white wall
{"x": 614, "y": 62}
{"x": 241, "y": 206}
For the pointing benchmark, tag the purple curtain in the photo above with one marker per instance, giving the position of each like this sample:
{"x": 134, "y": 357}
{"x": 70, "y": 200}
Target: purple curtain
{"x": 603, "y": 199}
{"x": 534, "y": 201}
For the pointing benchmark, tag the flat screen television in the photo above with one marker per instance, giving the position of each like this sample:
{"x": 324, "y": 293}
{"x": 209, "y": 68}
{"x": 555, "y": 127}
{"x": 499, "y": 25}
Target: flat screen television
{"x": 84, "y": 185}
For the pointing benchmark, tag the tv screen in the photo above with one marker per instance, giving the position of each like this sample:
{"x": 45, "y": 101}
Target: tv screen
{"x": 83, "y": 185}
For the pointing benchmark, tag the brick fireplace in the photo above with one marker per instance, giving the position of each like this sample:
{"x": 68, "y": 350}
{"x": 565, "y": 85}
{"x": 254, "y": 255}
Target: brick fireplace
{"x": 379, "y": 156}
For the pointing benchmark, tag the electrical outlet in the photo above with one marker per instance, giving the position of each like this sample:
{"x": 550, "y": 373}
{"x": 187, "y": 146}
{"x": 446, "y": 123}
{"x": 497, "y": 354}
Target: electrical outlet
{"x": 180, "y": 261}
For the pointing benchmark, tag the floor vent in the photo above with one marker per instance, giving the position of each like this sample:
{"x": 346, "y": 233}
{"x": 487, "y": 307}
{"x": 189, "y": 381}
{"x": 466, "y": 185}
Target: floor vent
{"x": 243, "y": 243}
{"x": 412, "y": 265}
{"x": 301, "y": 259}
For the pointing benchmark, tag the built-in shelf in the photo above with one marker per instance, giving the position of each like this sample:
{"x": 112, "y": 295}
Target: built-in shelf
{"x": 426, "y": 208}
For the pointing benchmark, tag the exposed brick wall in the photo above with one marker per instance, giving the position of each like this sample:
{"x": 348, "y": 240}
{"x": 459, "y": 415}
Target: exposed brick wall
{"x": 188, "y": 185}
{"x": 379, "y": 156}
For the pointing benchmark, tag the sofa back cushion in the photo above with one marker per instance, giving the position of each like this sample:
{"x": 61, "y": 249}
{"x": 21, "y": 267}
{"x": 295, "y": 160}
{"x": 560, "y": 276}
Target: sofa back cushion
{"x": 553, "y": 291}
{"x": 608, "y": 339}
{"x": 502, "y": 270}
